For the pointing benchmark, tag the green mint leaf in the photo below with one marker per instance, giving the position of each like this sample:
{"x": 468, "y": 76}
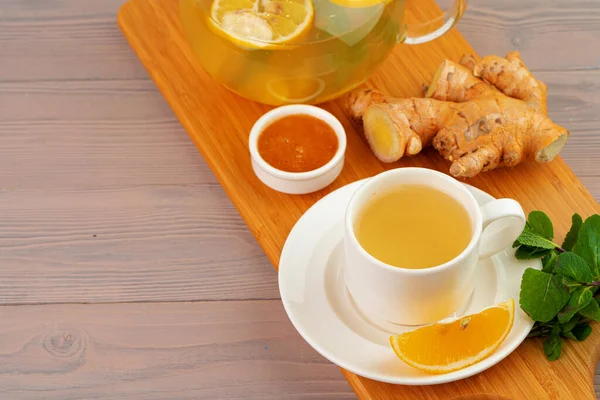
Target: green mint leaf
{"x": 568, "y": 335}
{"x": 568, "y": 326}
{"x": 553, "y": 344}
{"x": 588, "y": 243}
{"x": 549, "y": 261}
{"x": 573, "y": 266}
{"x": 542, "y": 295}
{"x": 580, "y": 298}
{"x": 538, "y": 232}
{"x": 571, "y": 238}
{"x": 541, "y": 224}
{"x": 533, "y": 239}
{"x": 530, "y": 253}
{"x": 570, "y": 284}
{"x": 591, "y": 311}
{"x": 582, "y": 331}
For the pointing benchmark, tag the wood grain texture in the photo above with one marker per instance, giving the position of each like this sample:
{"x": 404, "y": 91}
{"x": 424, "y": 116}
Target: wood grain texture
{"x": 219, "y": 133}
{"x": 205, "y": 350}
{"x": 63, "y": 40}
{"x": 554, "y": 35}
{"x": 152, "y": 243}
{"x": 100, "y": 134}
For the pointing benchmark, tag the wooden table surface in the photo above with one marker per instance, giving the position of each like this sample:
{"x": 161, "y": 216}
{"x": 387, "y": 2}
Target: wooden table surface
{"x": 125, "y": 270}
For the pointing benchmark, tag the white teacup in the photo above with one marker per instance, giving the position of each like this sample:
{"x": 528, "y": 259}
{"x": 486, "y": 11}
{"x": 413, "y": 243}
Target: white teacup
{"x": 421, "y": 296}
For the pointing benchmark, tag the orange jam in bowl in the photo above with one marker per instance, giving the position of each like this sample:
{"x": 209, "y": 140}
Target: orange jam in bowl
{"x": 298, "y": 143}
{"x": 297, "y": 148}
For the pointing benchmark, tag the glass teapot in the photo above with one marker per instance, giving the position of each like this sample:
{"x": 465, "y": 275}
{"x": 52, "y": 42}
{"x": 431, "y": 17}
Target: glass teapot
{"x": 300, "y": 51}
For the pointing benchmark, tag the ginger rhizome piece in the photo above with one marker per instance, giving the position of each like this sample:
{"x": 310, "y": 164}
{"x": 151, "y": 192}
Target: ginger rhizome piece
{"x": 471, "y": 122}
{"x": 508, "y": 76}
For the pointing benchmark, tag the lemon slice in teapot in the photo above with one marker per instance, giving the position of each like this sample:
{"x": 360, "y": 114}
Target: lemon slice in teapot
{"x": 296, "y": 90}
{"x": 262, "y": 23}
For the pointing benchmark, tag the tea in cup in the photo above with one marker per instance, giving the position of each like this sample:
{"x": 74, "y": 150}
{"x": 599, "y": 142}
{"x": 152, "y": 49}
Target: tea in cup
{"x": 412, "y": 240}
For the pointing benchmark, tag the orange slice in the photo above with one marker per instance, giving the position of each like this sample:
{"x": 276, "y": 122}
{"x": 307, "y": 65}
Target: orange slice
{"x": 449, "y": 346}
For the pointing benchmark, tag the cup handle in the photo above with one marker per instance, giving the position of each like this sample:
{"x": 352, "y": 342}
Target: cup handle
{"x": 503, "y": 220}
{"x": 429, "y": 31}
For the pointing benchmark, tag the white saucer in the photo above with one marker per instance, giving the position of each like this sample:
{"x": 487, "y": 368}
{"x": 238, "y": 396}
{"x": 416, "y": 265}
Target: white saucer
{"x": 314, "y": 295}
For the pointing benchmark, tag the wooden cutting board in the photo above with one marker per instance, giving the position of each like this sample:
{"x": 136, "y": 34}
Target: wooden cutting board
{"x": 219, "y": 122}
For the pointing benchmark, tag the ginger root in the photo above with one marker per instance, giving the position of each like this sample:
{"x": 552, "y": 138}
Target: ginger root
{"x": 477, "y": 124}
{"x": 508, "y": 76}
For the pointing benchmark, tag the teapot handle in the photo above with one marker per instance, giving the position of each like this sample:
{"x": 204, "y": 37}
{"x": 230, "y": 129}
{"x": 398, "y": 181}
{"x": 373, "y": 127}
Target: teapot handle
{"x": 427, "y": 30}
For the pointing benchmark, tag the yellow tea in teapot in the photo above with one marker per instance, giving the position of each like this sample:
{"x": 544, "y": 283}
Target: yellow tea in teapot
{"x": 291, "y": 51}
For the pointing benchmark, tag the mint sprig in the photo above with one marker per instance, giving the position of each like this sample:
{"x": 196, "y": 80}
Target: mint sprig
{"x": 563, "y": 297}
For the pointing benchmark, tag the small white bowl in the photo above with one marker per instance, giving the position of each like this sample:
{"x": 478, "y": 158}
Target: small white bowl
{"x": 297, "y": 182}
